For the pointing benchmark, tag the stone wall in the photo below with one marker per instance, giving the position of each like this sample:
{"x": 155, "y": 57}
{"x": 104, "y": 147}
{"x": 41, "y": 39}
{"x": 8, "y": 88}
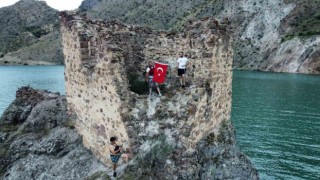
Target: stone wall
{"x": 99, "y": 56}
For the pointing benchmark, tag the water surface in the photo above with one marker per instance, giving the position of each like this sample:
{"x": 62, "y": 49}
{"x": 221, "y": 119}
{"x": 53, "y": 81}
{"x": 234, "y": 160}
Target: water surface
{"x": 277, "y": 121}
{"x": 40, "y": 77}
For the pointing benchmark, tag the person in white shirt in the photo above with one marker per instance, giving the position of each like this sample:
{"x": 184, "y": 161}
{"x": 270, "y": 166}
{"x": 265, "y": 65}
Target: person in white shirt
{"x": 182, "y": 64}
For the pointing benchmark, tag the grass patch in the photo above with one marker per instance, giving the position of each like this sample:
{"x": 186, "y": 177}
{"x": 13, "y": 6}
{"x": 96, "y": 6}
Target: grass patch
{"x": 304, "y": 19}
{"x": 98, "y": 175}
{"x": 36, "y": 31}
{"x": 8, "y": 128}
{"x": 153, "y": 163}
{"x": 211, "y": 139}
{"x": 3, "y": 152}
{"x": 287, "y": 37}
{"x": 69, "y": 124}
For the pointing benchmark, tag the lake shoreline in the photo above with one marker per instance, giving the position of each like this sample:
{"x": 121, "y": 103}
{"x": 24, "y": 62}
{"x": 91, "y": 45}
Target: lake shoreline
{"x": 28, "y": 63}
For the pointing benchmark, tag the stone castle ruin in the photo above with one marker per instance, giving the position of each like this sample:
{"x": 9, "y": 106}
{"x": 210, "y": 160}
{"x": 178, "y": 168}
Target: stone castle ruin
{"x": 102, "y": 58}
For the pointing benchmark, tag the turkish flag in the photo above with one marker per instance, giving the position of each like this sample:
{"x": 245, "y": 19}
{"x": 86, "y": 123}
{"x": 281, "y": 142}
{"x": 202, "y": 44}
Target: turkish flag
{"x": 160, "y": 71}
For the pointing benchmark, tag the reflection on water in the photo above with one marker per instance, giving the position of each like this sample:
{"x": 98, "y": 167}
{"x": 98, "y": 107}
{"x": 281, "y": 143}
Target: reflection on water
{"x": 277, "y": 118}
{"x": 39, "y": 77}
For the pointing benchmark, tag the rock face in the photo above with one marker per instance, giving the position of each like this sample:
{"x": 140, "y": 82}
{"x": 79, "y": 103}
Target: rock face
{"x": 270, "y": 35}
{"x": 38, "y": 141}
{"x": 29, "y": 34}
{"x": 262, "y": 38}
{"x": 184, "y": 135}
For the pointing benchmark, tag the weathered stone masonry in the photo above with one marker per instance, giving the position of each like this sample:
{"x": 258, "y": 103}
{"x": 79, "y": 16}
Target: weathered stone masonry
{"x": 100, "y": 55}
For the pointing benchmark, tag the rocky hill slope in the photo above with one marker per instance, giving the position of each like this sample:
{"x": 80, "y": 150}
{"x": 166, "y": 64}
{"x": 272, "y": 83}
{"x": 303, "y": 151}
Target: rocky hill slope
{"x": 271, "y": 35}
{"x": 30, "y": 34}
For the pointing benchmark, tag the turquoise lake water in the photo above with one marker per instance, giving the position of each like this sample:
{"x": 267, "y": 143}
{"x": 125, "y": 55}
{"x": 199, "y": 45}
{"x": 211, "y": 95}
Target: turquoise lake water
{"x": 277, "y": 122}
{"x": 39, "y": 77}
{"x": 276, "y": 116}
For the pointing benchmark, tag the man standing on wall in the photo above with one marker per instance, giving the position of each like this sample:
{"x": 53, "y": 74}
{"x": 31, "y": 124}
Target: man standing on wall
{"x": 149, "y": 78}
{"x": 182, "y": 64}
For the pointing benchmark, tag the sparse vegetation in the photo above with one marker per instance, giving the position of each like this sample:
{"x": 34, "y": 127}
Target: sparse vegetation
{"x": 210, "y": 139}
{"x": 156, "y": 14}
{"x": 37, "y": 31}
{"x": 137, "y": 85}
{"x": 304, "y": 19}
{"x": 154, "y": 161}
{"x": 98, "y": 175}
{"x": 8, "y": 128}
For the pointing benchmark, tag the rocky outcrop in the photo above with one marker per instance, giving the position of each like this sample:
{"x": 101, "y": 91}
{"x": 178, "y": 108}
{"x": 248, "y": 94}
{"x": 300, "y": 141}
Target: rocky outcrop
{"x": 187, "y": 134}
{"x": 270, "y": 35}
{"x": 54, "y": 150}
{"x": 167, "y": 135}
{"x": 38, "y": 141}
{"x": 29, "y": 34}
{"x": 214, "y": 158}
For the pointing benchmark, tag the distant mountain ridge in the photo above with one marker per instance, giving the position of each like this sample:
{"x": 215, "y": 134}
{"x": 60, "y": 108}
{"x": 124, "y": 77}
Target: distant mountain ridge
{"x": 30, "y": 34}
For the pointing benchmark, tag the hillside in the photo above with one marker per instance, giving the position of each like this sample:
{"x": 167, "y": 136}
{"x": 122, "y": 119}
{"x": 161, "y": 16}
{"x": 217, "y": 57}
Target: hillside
{"x": 271, "y": 35}
{"x": 30, "y": 34}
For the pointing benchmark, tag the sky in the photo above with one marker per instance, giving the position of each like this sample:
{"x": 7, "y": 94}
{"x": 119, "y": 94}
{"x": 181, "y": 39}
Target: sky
{"x": 56, "y": 4}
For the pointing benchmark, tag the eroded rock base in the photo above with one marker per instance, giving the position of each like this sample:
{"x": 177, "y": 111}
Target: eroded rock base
{"x": 38, "y": 141}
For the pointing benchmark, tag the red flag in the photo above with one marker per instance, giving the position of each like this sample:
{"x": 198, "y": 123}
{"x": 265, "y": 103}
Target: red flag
{"x": 160, "y": 72}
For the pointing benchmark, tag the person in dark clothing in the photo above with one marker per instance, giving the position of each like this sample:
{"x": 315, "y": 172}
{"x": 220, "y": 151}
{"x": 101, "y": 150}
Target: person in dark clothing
{"x": 116, "y": 152}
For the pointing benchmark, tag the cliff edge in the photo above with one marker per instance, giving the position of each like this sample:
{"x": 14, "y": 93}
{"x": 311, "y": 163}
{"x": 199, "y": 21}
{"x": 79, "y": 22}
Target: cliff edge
{"x": 38, "y": 140}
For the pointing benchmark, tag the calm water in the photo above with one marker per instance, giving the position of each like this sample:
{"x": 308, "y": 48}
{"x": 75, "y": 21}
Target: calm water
{"x": 39, "y": 77}
{"x": 277, "y": 116}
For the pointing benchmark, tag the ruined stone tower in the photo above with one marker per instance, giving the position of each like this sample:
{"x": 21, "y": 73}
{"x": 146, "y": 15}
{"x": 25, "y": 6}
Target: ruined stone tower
{"x": 100, "y": 59}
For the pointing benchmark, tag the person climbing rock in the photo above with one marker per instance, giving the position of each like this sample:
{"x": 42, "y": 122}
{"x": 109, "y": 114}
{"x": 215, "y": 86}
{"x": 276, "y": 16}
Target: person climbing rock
{"x": 182, "y": 63}
{"x": 116, "y": 152}
{"x": 149, "y": 78}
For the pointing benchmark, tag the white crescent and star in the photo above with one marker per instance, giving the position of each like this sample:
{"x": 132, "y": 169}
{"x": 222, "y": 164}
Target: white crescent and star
{"x": 159, "y": 69}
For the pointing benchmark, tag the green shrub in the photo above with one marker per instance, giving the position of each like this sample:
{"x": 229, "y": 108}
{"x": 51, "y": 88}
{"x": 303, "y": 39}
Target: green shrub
{"x": 36, "y": 31}
{"x": 153, "y": 163}
{"x": 98, "y": 175}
